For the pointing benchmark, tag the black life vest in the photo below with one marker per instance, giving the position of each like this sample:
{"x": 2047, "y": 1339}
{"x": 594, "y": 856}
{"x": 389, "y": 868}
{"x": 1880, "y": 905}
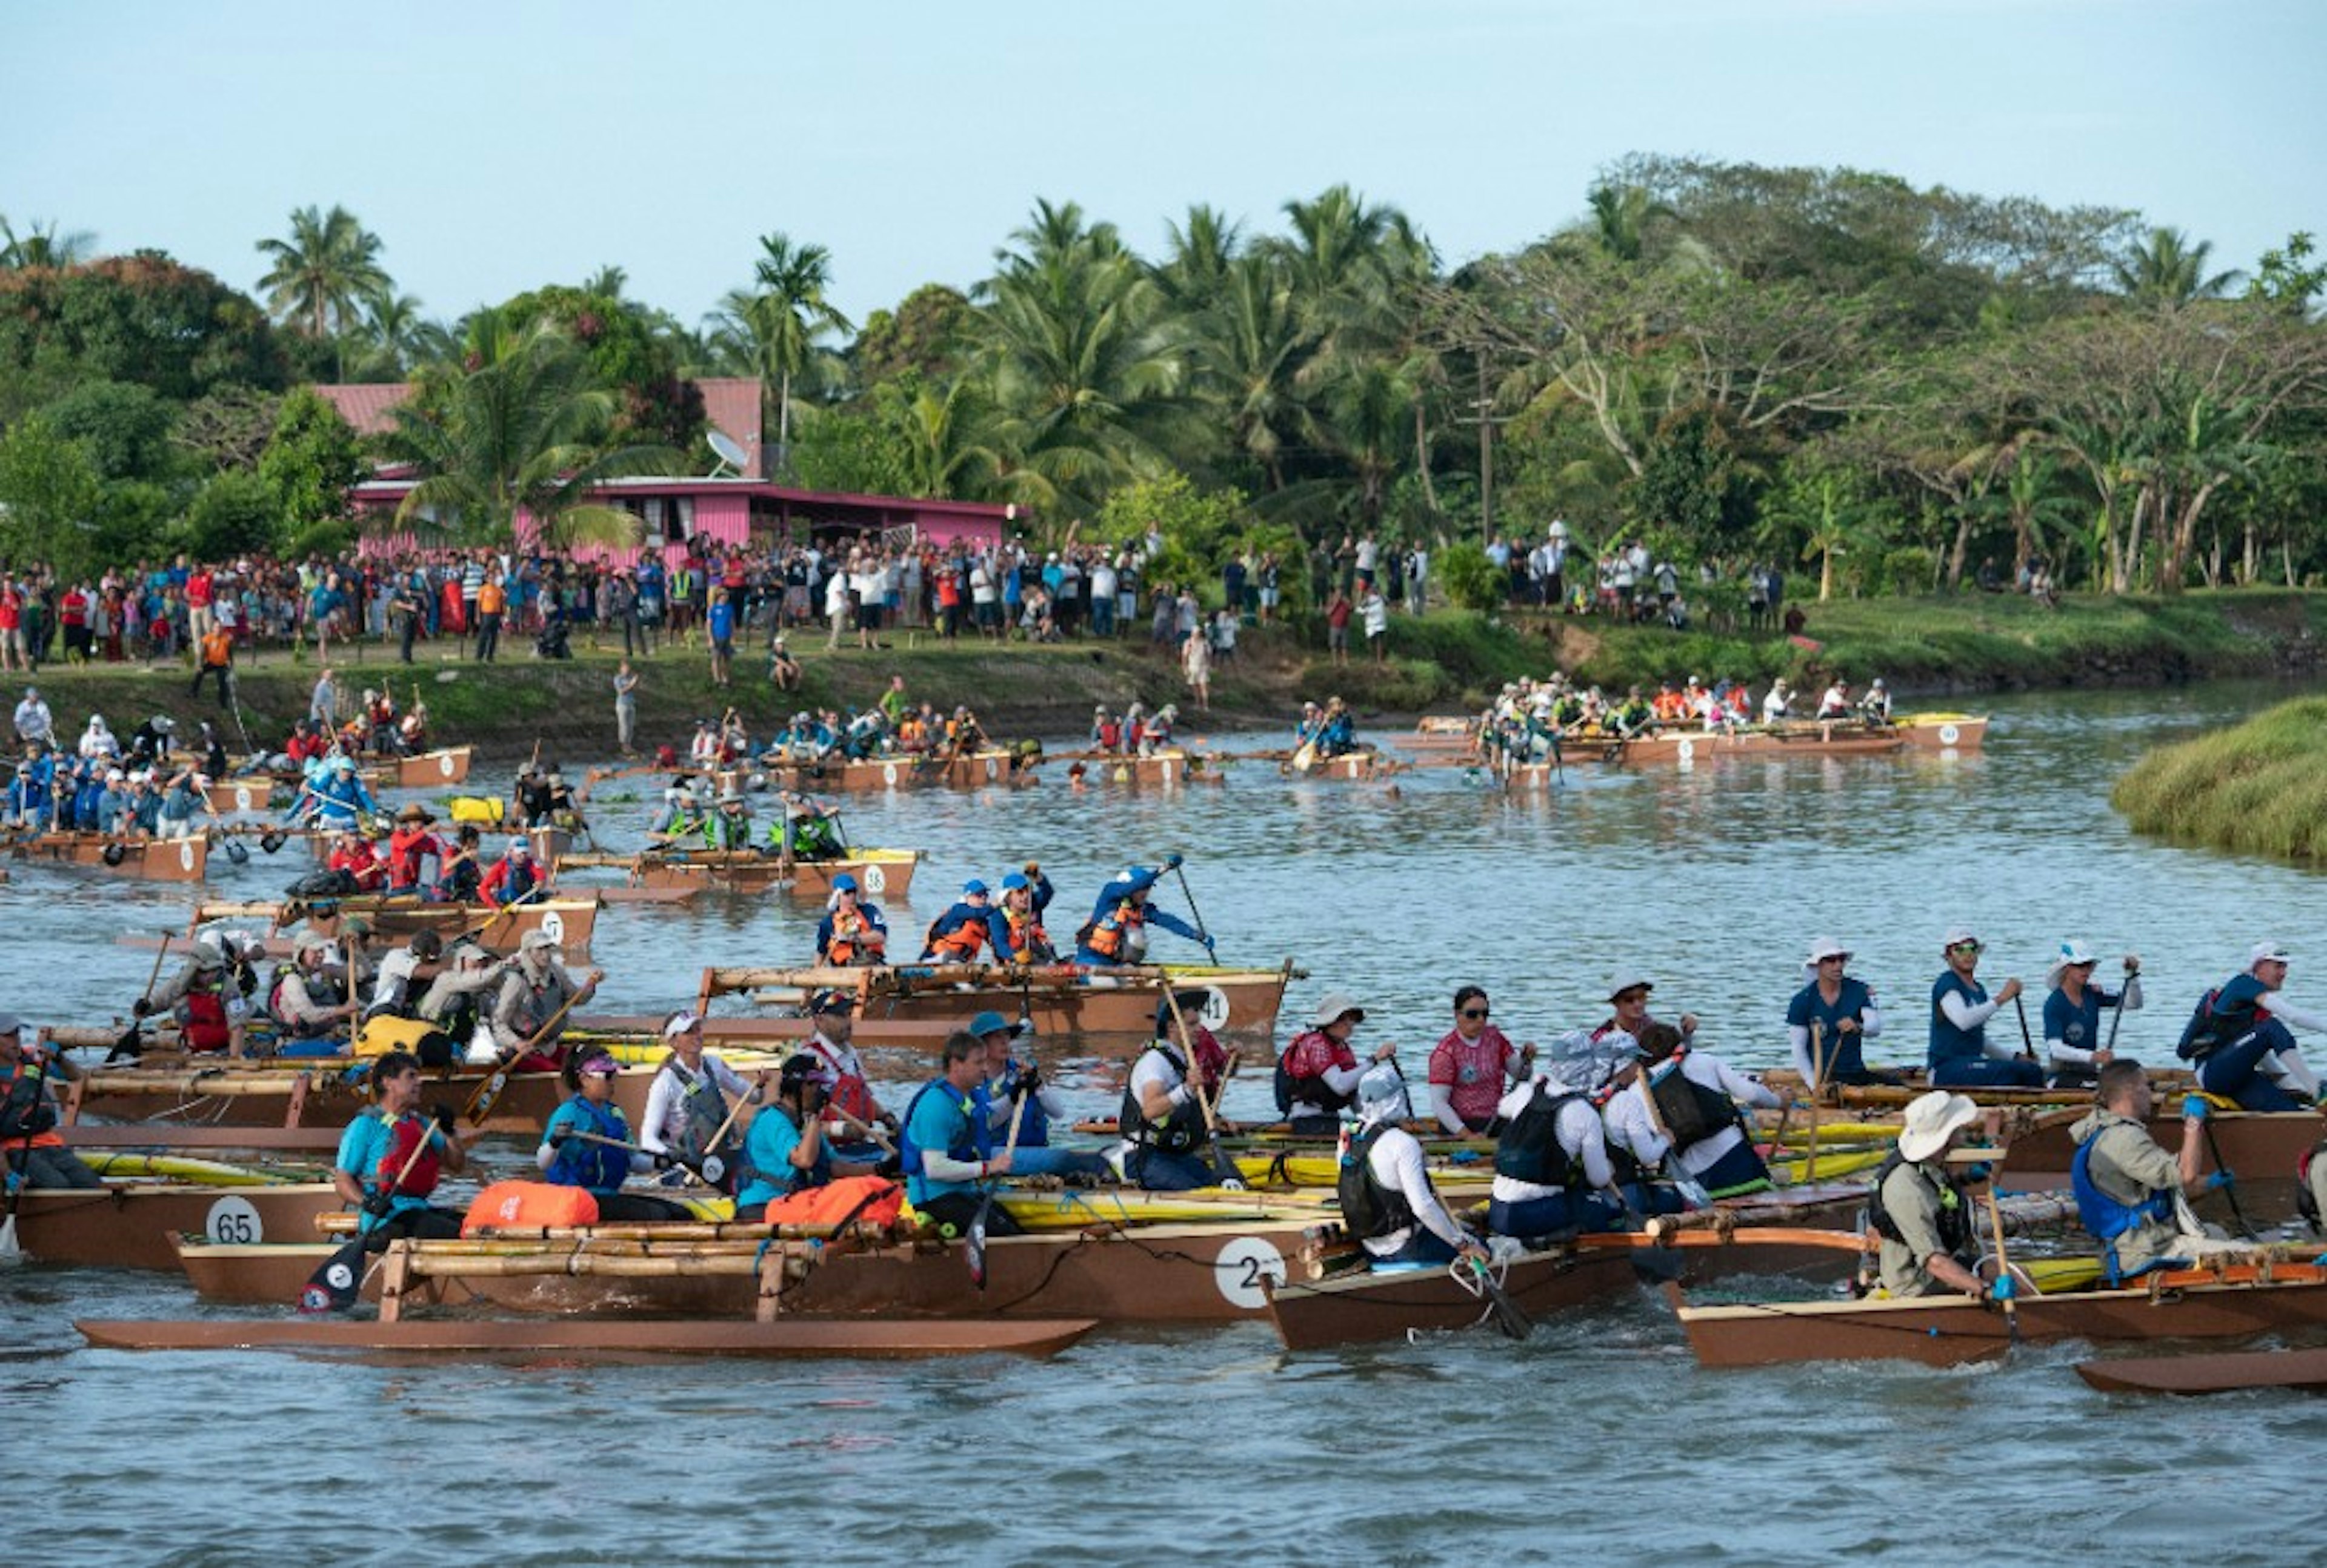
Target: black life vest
{"x": 1955, "y": 1212}
{"x": 705, "y": 1108}
{"x": 1309, "y": 1091}
{"x": 1176, "y": 1134}
{"x": 1369, "y": 1209}
{"x": 2216, "y": 1020}
{"x": 1691, "y": 1111}
{"x": 1528, "y": 1149}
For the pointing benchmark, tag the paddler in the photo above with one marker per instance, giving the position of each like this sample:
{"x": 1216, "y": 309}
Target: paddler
{"x": 308, "y": 1002}
{"x": 2240, "y": 1038}
{"x": 33, "y": 1150}
{"x": 1162, "y": 1120}
{"x": 840, "y": 1072}
{"x": 730, "y": 826}
{"x": 1553, "y": 1176}
{"x": 460, "y": 1000}
{"x": 785, "y": 1150}
{"x": 1628, "y": 999}
{"x": 970, "y": 927}
{"x": 461, "y": 880}
{"x": 1961, "y": 1055}
{"x": 1317, "y": 1074}
{"x": 569, "y": 1159}
{"x": 352, "y": 856}
{"x": 396, "y": 989}
{"x": 811, "y": 830}
{"x": 199, "y": 996}
{"x": 377, "y": 1147}
{"x": 1387, "y": 1201}
{"x": 1930, "y": 1243}
{"x": 1828, "y": 1019}
{"x": 336, "y": 796}
{"x": 531, "y": 1013}
{"x": 687, "y": 1104}
{"x": 1474, "y": 1066}
{"x": 1116, "y": 931}
{"x": 1025, "y": 895}
{"x": 514, "y": 878}
{"x": 1005, "y": 1081}
{"x": 2131, "y": 1194}
{"x": 1682, "y": 1114}
{"x": 2072, "y": 1013}
{"x": 410, "y": 848}
{"x": 852, "y": 930}
{"x": 940, "y": 1143}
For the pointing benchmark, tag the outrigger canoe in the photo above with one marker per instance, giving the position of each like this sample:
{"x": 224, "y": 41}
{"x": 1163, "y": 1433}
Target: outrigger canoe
{"x": 2261, "y": 1147}
{"x": 2208, "y": 1373}
{"x": 1167, "y": 768}
{"x": 973, "y": 771}
{"x": 1061, "y": 999}
{"x": 180, "y": 860}
{"x": 132, "y": 1224}
{"x": 445, "y": 765}
{"x": 568, "y": 921}
{"x": 785, "y": 1339}
{"x": 881, "y": 873}
{"x": 2227, "y": 1301}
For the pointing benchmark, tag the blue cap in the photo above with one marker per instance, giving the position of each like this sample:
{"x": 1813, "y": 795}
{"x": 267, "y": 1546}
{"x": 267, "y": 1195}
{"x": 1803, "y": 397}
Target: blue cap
{"x": 844, "y": 884}
{"x": 1015, "y": 880}
{"x": 972, "y": 886}
{"x": 992, "y": 1022}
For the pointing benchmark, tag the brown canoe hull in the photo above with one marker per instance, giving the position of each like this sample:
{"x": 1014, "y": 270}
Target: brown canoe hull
{"x": 2203, "y": 1373}
{"x": 430, "y": 769}
{"x": 175, "y": 860}
{"x": 1242, "y": 1005}
{"x": 155, "y": 1103}
{"x": 233, "y": 797}
{"x": 131, "y": 1225}
{"x": 890, "y": 877}
{"x": 781, "y": 1339}
{"x": 569, "y": 921}
{"x": 2261, "y": 1148}
{"x": 976, "y": 772}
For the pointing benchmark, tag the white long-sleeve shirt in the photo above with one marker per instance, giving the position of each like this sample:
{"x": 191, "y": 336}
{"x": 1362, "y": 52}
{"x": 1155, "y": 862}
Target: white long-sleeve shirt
{"x": 1798, "y": 1036}
{"x": 1396, "y": 1162}
{"x": 1631, "y": 1124}
{"x": 1580, "y": 1135}
{"x": 1969, "y": 1015}
{"x": 664, "y": 1125}
{"x": 2061, "y": 1053}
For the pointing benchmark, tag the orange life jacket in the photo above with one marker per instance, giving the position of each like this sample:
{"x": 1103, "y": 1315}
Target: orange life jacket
{"x": 1107, "y": 936}
{"x": 851, "y": 931}
{"x": 963, "y": 943}
{"x": 1027, "y": 938}
{"x": 409, "y": 1131}
{"x": 868, "y": 1200}
{"x": 528, "y": 1206}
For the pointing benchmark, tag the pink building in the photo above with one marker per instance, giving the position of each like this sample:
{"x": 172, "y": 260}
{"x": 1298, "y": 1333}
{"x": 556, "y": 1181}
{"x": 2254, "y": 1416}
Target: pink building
{"x": 685, "y": 511}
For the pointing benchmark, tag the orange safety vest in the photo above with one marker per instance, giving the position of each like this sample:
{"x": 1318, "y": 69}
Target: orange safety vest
{"x": 962, "y": 944}
{"x": 1107, "y": 936}
{"x": 218, "y": 647}
{"x": 1026, "y": 934}
{"x": 870, "y": 1200}
{"x": 850, "y": 931}
{"x": 50, "y": 1139}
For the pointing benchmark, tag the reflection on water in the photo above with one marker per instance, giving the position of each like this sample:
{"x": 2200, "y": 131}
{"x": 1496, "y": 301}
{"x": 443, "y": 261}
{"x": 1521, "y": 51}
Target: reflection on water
{"x": 1714, "y": 880}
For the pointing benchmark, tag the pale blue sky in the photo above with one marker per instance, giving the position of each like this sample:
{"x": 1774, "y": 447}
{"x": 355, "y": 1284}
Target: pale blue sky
{"x": 495, "y": 145}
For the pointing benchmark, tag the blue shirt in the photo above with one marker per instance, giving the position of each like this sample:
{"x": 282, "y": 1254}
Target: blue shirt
{"x": 1840, "y": 1049}
{"x": 360, "y": 1148}
{"x": 1949, "y": 1043}
{"x": 579, "y": 1163}
{"x": 946, "y": 1119}
{"x": 2074, "y": 1026}
{"x": 768, "y": 1150}
{"x": 723, "y": 622}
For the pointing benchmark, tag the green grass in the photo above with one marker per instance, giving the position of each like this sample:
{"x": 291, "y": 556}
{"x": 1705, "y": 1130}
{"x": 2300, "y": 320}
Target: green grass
{"x": 2259, "y": 787}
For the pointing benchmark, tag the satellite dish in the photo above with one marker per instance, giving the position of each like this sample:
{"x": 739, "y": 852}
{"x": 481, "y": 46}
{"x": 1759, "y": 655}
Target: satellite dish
{"x": 729, "y": 452}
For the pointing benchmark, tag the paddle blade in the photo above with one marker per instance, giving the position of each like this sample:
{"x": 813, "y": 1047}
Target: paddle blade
{"x": 975, "y": 1253}
{"x": 334, "y": 1286}
{"x": 11, "y": 1254}
{"x": 1658, "y": 1266}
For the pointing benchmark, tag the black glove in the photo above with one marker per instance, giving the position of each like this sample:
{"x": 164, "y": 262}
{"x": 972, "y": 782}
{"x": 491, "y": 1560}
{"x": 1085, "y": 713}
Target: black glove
{"x": 664, "y": 1160}
{"x": 446, "y": 1118}
{"x": 379, "y": 1205}
{"x": 561, "y": 1137}
{"x": 141, "y": 1008}
{"x": 890, "y": 1166}
{"x": 1030, "y": 1080}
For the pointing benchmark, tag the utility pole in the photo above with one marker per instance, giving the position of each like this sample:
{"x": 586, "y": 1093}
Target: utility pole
{"x": 1485, "y": 418}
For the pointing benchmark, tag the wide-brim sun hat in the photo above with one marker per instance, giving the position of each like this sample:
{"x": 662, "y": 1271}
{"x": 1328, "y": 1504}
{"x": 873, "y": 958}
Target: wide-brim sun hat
{"x": 992, "y": 1023}
{"x": 2072, "y": 955}
{"x": 1932, "y": 1120}
{"x": 1333, "y": 1008}
{"x": 1624, "y": 980}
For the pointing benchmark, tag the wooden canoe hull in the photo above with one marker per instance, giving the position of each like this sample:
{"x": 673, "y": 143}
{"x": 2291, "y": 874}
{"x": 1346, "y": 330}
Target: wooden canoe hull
{"x": 429, "y": 769}
{"x": 785, "y": 1339}
{"x": 131, "y": 1225}
{"x": 1944, "y": 732}
{"x": 977, "y": 770}
{"x": 1948, "y": 1330}
{"x": 1238, "y": 1003}
{"x": 568, "y": 921}
{"x": 882, "y": 874}
{"x": 1686, "y": 749}
{"x": 2208, "y": 1373}
{"x": 2260, "y": 1147}
{"x": 1349, "y": 767}
{"x": 175, "y": 860}
{"x": 243, "y": 797}
{"x": 320, "y": 1094}
{"x": 1166, "y": 770}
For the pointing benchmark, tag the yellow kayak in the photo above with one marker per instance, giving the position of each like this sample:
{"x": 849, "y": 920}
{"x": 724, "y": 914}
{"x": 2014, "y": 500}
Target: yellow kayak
{"x": 177, "y": 1168}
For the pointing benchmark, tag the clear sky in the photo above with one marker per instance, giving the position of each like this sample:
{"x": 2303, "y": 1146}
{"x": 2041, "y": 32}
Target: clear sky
{"x": 497, "y": 144}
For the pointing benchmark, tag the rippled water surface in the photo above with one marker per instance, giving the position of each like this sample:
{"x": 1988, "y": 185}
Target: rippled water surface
{"x": 1596, "y": 1441}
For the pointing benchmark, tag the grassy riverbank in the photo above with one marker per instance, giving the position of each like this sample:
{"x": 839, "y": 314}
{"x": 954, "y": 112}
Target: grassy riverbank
{"x": 1447, "y": 660}
{"x": 2259, "y": 787}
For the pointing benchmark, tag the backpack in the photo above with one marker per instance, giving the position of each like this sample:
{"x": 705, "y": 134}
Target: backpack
{"x": 1368, "y": 1208}
{"x": 323, "y": 884}
{"x": 2209, "y": 1029}
{"x": 1316, "y": 1091}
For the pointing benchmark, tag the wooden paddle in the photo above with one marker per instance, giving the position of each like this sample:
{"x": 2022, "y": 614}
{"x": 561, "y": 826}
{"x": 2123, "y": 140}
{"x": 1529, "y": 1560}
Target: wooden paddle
{"x": 1509, "y": 1318}
{"x": 976, "y": 1251}
{"x": 131, "y": 1042}
{"x": 2027, "y": 1041}
{"x": 2004, "y": 1289}
{"x": 335, "y": 1284}
{"x": 1818, "y": 1087}
{"x": 713, "y": 1172}
{"x": 481, "y": 1103}
{"x": 1231, "y": 1177}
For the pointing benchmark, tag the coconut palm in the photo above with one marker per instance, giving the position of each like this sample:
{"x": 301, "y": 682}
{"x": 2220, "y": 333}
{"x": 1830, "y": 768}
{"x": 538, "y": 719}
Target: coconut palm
{"x": 322, "y": 273}
{"x": 1195, "y": 273}
{"x": 1245, "y": 353}
{"x": 517, "y": 426}
{"x": 2166, "y": 269}
{"x": 774, "y": 326}
{"x": 42, "y": 247}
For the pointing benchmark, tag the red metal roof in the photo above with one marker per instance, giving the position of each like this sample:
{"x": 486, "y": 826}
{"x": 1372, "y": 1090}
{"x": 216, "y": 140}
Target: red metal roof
{"x": 365, "y": 405}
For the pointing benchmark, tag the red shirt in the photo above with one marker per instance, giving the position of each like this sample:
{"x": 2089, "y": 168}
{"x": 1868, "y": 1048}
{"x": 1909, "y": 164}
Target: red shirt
{"x": 1337, "y": 613}
{"x": 360, "y": 864}
{"x": 1475, "y": 1072}
{"x": 198, "y": 589}
{"x": 12, "y": 610}
{"x": 1307, "y": 1058}
{"x": 74, "y": 610}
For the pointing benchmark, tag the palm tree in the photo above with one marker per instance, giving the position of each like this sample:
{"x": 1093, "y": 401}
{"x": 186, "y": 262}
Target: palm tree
{"x": 774, "y": 326}
{"x": 1621, "y": 216}
{"x": 1245, "y": 351}
{"x": 942, "y": 435}
{"x": 1195, "y": 273}
{"x": 324, "y": 272}
{"x": 519, "y": 426}
{"x": 2167, "y": 269}
{"x": 42, "y": 247}
{"x": 608, "y": 282}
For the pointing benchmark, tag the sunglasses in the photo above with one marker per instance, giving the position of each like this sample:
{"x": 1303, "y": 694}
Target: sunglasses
{"x": 1474, "y": 1012}
{"x": 1965, "y": 947}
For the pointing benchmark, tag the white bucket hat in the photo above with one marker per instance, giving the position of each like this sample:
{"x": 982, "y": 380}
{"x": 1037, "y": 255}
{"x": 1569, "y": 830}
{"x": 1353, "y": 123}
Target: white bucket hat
{"x": 1332, "y": 1007}
{"x": 2268, "y": 953}
{"x": 2073, "y": 954}
{"x": 1624, "y": 980}
{"x": 1932, "y": 1120}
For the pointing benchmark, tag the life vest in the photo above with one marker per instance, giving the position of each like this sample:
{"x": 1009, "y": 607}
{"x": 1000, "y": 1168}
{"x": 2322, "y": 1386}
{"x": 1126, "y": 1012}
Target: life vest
{"x": 408, "y": 1132}
{"x": 1176, "y": 1134}
{"x": 1529, "y": 1149}
{"x": 320, "y": 992}
{"x": 705, "y": 1108}
{"x": 1029, "y": 943}
{"x": 1107, "y": 935}
{"x": 2222, "y": 1015}
{"x": 962, "y": 1146}
{"x": 528, "y": 1206}
{"x": 1955, "y": 1214}
{"x": 858, "y": 1200}
{"x": 1691, "y": 1111}
{"x": 27, "y": 1119}
{"x": 850, "y": 1094}
{"x": 2104, "y": 1216}
{"x": 203, "y": 1014}
{"x": 1369, "y": 1209}
{"x": 962, "y": 944}
{"x": 850, "y": 932}
{"x": 593, "y": 1166}
{"x": 1033, "y": 1122}
{"x": 1293, "y": 1087}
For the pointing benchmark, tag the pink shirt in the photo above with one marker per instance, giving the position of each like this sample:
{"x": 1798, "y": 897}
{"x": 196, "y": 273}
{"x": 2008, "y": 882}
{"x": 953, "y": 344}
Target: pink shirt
{"x": 1475, "y": 1073}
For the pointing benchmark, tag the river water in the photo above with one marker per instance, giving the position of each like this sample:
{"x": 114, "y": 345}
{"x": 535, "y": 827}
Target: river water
{"x": 1586, "y": 1443}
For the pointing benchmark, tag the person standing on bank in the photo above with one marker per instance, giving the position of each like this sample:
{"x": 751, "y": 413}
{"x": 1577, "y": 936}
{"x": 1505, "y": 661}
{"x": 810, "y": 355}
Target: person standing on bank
{"x": 1961, "y": 1054}
{"x": 626, "y": 708}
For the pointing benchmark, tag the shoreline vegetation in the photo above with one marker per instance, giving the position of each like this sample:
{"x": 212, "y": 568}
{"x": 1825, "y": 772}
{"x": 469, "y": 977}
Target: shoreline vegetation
{"x": 2258, "y": 787}
{"x": 1450, "y": 660}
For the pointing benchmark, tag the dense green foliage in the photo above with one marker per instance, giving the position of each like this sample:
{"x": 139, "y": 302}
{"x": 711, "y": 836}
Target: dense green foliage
{"x": 2259, "y": 787}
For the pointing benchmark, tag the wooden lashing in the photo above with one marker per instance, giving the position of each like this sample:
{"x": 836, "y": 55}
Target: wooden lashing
{"x": 295, "y": 1101}
{"x": 396, "y": 1278}
{"x": 771, "y": 1304}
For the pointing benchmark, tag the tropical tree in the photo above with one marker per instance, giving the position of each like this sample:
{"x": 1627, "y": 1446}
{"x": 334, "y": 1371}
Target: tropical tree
{"x": 1246, "y": 350}
{"x": 38, "y": 246}
{"x": 775, "y": 327}
{"x": 2165, "y": 268}
{"x": 519, "y": 426}
{"x": 322, "y": 273}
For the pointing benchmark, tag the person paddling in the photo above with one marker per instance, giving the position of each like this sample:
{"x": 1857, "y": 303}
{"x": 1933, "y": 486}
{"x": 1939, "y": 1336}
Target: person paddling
{"x": 2073, "y": 1046}
{"x": 1683, "y": 1113}
{"x": 1473, "y": 1067}
{"x": 534, "y": 1003}
{"x": 940, "y": 1148}
{"x": 1930, "y": 1243}
{"x": 385, "y": 1141}
{"x": 688, "y": 1105}
{"x": 1116, "y": 931}
{"x": 1019, "y": 1102}
{"x": 1961, "y": 1055}
{"x": 1387, "y": 1201}
{"x": 852, "y": 932}
{"x": 2131, "y": 1194}
{"x": 587, "y": 1143}
{"x": 785, "y": 1150}
{"x": 2241, "y": 1038}
{"x": 1162, "y": 1118}
{"x": 1831, "y": 1019}
{"x": 31, "y": 1151}
{"x": 1553, "y": 1175}
{"x": 1317, "y": 1076}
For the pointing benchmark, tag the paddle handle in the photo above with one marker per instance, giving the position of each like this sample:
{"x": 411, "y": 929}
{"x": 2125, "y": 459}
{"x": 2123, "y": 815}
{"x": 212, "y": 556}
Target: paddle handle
{"x": 2002, "y": 1261}
{"x": 2027, "y": 1041}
